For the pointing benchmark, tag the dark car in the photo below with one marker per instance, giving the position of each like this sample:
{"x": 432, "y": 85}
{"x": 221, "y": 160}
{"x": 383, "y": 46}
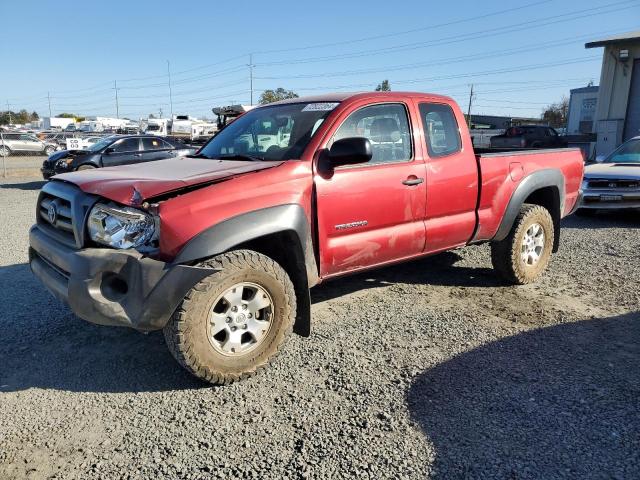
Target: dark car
{"x": 114, "y": 150}
{"x": 528, "y": 136}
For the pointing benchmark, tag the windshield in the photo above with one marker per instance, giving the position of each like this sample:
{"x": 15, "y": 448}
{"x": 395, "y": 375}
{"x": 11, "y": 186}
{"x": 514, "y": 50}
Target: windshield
{"x": 153, "y": 128}
{"x": 627, "y": 153}
{"x": 279, "y": 132}
{"x": 105, "y": 142}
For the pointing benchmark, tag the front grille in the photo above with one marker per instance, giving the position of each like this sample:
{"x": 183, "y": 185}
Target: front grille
{"x": 605, "y": 184}
{"x": 61, "y": 212}
{"x": 57, "y": 211}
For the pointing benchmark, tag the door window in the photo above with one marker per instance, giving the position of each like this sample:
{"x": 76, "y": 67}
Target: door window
{"x": 440, "y": 129}
{"x": 154, "y": 144}
{"x": 387, "y": 128}
{"x": 127, "y": 145}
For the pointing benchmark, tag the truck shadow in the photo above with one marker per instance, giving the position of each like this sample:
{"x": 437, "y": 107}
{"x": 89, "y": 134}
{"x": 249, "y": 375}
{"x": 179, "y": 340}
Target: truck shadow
{"x": 439, "y": 270}
{"x": 556, "y": 402}
{"x": 44, "y": 345}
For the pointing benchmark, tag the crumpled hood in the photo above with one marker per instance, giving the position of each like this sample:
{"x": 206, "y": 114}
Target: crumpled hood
{"x": 132, "y": 184}
{"x": 620, "y": 171}
{"x": 66, "y": 154}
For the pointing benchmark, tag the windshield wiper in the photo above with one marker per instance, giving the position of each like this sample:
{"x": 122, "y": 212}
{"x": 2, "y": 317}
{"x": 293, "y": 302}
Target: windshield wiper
{"x": 198, "y": 155}
{"x": 240, "y": 156}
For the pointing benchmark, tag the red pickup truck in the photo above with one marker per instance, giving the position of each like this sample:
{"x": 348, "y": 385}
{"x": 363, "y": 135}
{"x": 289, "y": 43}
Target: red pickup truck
{"x": 219, "y": 249}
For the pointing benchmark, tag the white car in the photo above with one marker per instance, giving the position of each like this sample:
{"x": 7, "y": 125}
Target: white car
{"x": 614, "y": 181}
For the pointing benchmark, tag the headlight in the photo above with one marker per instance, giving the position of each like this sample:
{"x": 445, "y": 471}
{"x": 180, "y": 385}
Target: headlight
{"x": 585, "y": 184}
{"x": 64, "y": 162}
{"x": 121, "y": 227}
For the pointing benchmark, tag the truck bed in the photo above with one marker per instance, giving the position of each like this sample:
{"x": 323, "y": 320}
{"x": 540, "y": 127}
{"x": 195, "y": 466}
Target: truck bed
{"x": 500, "y": 172}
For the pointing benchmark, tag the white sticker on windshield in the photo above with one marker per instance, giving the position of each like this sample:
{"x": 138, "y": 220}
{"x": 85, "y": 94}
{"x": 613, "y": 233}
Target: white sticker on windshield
{"x": 320, "y": 107}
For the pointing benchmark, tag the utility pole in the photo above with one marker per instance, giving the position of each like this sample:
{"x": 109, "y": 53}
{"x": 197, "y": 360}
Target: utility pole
{"x": 251, "y": 76}
{"x": 9, "y": 112}
{"x": 469, "y": 109}
{"x": 49, "y": 100}
{"x": 170, "y": 94}
{"x": 115, "y": 87}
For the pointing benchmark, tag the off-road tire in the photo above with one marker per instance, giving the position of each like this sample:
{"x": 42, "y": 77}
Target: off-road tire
{"x": 506, "y": 254}
{"x": 85, "y": 167}
{"x": 186, "y": 332}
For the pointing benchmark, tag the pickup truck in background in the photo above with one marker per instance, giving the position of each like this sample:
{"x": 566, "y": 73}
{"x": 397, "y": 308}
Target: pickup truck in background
{"x": 529, "y": 136}
{"x": 219, "y": 249}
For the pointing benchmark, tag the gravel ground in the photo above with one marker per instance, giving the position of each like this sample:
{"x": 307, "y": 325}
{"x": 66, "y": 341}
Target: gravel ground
{"x": 427, "y": 370}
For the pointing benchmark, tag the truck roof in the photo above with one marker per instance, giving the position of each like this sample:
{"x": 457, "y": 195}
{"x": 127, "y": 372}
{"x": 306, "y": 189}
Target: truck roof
{"x": 342, "y": 96}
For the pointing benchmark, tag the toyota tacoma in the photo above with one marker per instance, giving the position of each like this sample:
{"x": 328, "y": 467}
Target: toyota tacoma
{"x": 219, "y": 249}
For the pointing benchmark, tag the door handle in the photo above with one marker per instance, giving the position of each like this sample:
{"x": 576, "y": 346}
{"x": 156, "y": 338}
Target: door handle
{"x": 411, "y": 181}
{"x": 137, "y": 155}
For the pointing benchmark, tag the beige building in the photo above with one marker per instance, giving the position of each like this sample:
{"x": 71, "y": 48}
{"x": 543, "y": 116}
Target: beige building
{"x": 618, "y": 110}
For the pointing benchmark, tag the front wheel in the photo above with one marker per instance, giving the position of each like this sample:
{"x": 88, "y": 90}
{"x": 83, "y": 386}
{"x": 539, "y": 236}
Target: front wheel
{"x": 49, "y": 150}
{"x": 233, "y": 322}
{"x": 525, "y": 253}
{"x": 85, "y": 167}
{"x": 4, "y": 151}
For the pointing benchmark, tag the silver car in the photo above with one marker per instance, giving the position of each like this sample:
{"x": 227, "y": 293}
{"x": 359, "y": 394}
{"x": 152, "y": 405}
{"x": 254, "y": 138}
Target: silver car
{"x": 613, "y": 182}
{"x": 24, "y": 143}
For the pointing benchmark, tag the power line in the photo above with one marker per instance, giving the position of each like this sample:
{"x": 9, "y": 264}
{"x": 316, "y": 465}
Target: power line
{"x": 551, "y": 20}
{"x": 405, "y": 32}
{"x": 448, "y": 61}
{"x": 453, "y": 76}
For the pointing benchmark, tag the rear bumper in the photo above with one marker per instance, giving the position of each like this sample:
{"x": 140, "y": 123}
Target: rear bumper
{"x": 111, "y": 287}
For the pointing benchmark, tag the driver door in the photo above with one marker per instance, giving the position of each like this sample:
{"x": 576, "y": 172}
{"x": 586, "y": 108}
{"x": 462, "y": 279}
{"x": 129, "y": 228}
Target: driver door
{"x": 373, "y": 213}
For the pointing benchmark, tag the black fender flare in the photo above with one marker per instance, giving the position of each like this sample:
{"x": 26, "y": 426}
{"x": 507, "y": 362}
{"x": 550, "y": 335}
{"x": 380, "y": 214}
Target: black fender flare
{"x": 549, "y": 177}
{"x": 244, "y": 228}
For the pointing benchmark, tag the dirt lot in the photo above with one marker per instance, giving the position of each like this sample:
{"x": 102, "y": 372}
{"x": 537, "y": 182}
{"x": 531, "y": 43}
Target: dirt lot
{"x": 425, "y": 370}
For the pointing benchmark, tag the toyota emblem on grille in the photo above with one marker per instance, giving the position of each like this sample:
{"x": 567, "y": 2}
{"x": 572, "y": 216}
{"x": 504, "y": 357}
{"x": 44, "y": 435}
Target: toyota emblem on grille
{"x": 52, "y": 213}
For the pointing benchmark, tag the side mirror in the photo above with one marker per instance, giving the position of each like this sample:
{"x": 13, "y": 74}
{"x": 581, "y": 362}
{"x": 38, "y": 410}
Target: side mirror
{"x": 109, "y": 150}
{"x": 600, "y": 158}
{"x": 350, "y": 151}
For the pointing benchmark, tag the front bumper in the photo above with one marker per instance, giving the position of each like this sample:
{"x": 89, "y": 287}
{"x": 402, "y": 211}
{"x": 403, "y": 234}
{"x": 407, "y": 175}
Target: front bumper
{"x": 610, "y": 199}
{"x": 111, "y": 287}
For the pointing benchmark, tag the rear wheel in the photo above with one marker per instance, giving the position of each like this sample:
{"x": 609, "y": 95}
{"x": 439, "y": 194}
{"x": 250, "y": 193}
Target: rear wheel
{"x": 525, "y": 253}
{"x": 4, "y": 151}
{"x": 232, "y": 323}
{"x": 49, "y": 149}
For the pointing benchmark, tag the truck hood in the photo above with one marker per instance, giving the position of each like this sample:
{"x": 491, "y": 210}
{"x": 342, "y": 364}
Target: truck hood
{"x": 133, "y": 184}
{"x": 621, "y": 171}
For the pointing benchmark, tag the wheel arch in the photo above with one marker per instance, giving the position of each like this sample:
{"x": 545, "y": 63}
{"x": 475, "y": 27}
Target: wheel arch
{"x": 281, "y": 232}
{"x": 544, "y": 188}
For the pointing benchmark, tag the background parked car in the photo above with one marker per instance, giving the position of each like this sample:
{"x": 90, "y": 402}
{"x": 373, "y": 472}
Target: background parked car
{"x": 24, "y": 143}
{"x": 115, "y": 150}
{"x": 614, "y": 182}
{"x": 528, "y": 136}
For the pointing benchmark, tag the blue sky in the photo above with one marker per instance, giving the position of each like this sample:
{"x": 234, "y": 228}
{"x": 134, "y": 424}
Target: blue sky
{"x": 520, "y": 55}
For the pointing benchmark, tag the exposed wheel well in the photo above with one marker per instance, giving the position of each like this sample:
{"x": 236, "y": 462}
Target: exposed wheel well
{"x": 549, "y": 198}
{"x": 285, "y": 248}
